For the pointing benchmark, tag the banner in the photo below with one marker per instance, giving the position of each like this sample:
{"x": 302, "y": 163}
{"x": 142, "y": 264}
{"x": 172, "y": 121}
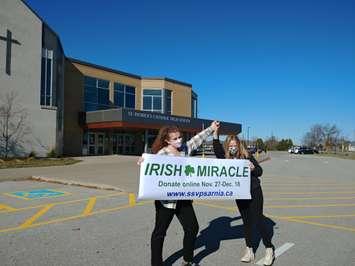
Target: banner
{"x": 165, "y": 177}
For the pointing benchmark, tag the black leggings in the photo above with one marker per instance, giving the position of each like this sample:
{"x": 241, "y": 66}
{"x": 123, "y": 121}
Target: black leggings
{"x": 252, "y": 213}
{"x": 163, "y": 216}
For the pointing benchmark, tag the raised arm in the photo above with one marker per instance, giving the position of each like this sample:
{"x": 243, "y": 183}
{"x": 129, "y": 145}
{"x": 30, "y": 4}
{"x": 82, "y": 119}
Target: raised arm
{"x": 217, "y": 146}
{"x": 197, "y": 140}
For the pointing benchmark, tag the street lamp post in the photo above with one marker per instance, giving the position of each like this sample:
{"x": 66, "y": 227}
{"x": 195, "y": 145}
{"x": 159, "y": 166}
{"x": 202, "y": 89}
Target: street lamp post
{"x": 248, "y": 136}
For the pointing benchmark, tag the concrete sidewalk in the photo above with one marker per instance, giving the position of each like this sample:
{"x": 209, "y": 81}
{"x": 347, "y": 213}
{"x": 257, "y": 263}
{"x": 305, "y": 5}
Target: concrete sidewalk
{"x": 110, "y": 172}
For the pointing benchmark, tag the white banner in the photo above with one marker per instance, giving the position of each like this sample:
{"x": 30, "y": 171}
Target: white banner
{"x": 171, "y": 178}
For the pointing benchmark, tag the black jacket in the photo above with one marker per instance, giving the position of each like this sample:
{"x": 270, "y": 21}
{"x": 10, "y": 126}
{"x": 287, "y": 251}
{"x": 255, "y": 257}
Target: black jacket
{"x": 254, "y": 175}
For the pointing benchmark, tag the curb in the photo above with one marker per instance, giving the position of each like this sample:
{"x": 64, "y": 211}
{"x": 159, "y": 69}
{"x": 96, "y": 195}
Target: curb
{"x": 74, "y": 183}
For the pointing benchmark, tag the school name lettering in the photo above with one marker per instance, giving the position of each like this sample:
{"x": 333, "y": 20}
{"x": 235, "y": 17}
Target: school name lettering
{"x": 199, "y": 171}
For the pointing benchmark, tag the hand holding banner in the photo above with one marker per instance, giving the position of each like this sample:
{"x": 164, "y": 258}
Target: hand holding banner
{"x": 175, "y": 178}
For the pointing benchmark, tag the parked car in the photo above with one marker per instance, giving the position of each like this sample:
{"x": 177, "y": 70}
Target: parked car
{"x": 303, "y": 150}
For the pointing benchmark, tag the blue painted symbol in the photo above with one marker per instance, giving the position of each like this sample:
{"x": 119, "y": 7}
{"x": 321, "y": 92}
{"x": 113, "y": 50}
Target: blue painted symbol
{"x": 38, "y": 194}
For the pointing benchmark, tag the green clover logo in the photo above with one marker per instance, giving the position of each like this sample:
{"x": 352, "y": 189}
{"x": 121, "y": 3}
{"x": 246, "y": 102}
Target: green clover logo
{"x": 189, "y": 170}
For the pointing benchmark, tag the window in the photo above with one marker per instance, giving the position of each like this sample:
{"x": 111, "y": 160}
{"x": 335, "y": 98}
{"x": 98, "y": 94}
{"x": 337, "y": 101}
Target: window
{"x": 96, "y": 94}
{"x": 124, "y": 95}
{"x": 152, "y": 100}
{"x": 47, "y": 78}
{"x": 168, "y": 102}
{"x": 194, "y": 106}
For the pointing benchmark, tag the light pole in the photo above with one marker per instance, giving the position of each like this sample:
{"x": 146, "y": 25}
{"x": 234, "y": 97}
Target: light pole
{"x": 248, "y": 136}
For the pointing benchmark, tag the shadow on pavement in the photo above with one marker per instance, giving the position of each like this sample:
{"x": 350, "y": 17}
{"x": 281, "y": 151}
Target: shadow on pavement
{"x": 218, "y": 230}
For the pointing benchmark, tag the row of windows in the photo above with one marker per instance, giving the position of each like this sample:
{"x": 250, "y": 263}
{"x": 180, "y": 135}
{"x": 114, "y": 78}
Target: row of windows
{"x": 97, "y": 96}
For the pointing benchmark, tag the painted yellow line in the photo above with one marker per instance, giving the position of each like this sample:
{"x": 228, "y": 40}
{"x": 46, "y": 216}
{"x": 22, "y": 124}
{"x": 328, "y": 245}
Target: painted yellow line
{"x": 308, "y": 206}
{"x": 66, "y": 202}
{"x": 75, "y": 217}
{"x": 309, "y": 198}
{"x": 35, "y": 217}
{"x": 131, "y": 199}
{"x": 318, "y": 216}
{"x": 90, "y": 206}
{"x": 309, "y": 193}
{"x": 6, "y": 208}
{"x": 351, "y": 229}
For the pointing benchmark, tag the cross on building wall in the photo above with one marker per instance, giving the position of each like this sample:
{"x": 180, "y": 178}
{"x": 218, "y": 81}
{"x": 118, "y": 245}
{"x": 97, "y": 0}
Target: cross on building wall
{"x": 9, "y": 41}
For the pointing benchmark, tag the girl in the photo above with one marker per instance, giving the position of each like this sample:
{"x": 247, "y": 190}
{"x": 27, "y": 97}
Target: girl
{"x": 169, "y": 142}
{"x": 250, "y": 210}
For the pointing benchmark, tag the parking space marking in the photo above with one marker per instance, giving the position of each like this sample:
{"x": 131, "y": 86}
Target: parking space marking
{"x": 278, "y": 252}
{"x": 90, "y": 206}
{"x": 308, "y": 206}
{"x": 320, "y": 216}
{"x": 70, "y": 218}
{"x": 37, "y": 194}
{"x": 309, "y": 193}
{"x": 4, "y": 207}
{"x": 88, "y": 211}
{"x": 132, "y": 199}
{"x": 63, "y": 202}
{"x": 35, "y": 217}
{"x": 344, "y": 228}
{"x": 309, "y": 198}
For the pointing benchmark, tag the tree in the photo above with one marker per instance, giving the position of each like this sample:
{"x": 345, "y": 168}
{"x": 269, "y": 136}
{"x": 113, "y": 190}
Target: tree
{"x": 284, "y": 144}
{"x": 322, "y": 136}
{"x": 314, "y": 138}
{"x": 259, "y": 143}
{"x": 13, "y": 125}
{"x": 331, "y": 135}
{"x": 271, "y": 143}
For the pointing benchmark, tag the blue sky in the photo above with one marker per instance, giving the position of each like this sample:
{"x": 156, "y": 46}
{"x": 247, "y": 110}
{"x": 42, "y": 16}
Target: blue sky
{"x": 276, "y": 66}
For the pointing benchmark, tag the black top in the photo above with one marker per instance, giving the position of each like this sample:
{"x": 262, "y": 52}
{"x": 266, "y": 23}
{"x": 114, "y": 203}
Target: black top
{"x": 258, "y": 171}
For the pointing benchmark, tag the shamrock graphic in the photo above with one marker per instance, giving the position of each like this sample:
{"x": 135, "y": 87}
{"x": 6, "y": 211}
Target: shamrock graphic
{"x": 189, "y": 170}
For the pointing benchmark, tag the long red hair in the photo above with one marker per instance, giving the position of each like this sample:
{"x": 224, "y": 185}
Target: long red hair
{"x": 163, "y": 136}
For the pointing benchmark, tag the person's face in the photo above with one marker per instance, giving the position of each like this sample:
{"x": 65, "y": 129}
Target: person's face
{"x": 175, "y": 139}
{"x": 233, "y": 147}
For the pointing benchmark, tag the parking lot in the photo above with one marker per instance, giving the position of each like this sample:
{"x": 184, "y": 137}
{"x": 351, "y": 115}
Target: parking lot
{"x": 309, "y": 202}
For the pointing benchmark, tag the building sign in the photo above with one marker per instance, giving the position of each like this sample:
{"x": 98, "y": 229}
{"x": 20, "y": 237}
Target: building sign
{"x": 158, "y": 116}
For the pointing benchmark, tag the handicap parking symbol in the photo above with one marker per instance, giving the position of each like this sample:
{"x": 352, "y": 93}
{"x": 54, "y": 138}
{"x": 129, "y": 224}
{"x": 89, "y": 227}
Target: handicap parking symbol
{"x": 37, "y": 194}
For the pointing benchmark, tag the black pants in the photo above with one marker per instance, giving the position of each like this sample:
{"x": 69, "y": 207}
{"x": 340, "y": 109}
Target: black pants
{"x": 252, "y": 213}
{"x": 163, "y": 216}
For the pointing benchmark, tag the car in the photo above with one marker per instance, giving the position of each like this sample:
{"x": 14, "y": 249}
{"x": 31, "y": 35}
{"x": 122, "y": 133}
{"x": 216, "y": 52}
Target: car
{"x": 303, "y": 150}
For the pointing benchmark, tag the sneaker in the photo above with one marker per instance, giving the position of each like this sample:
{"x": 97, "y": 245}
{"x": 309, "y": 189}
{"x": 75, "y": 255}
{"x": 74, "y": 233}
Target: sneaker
{"x": 248, "y": 255}
{"x": 185, "y": 263}
{"x": 269, "y": 256}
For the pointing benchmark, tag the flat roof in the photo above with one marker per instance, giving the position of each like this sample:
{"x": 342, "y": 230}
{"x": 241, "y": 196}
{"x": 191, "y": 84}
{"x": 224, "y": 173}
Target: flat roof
{"x": 129, "y": 118}
{"x": 74, "y": 60}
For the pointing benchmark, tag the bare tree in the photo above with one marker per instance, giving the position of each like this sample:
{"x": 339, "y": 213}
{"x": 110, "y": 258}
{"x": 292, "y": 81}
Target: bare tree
{"x": 13, "y": 125}
{"x": 322, "y": 136}
{"x": 331, "y": 135}
{"x": 314, "y": 138}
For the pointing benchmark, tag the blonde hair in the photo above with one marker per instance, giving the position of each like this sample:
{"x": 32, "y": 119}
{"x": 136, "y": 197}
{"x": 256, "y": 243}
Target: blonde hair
{"x": 242, "y": 152}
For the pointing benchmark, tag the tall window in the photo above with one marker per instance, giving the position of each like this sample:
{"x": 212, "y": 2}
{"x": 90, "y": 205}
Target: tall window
{"x": 47, "y": 78}
{"x": 167, "y": 101}
{"x": 97, "y": 94}
{"x": 124, "y": 96}
{"x": 194, "y": 106}
{"x": 152, "y": 100}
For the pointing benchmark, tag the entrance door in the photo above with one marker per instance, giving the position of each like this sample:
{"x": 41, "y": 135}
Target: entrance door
{"x": 123, "y": 143}
{"x": 100, "y": 144}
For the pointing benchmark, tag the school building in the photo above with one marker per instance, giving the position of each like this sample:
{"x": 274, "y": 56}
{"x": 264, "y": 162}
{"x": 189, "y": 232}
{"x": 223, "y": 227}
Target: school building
{"x": 79, "y": 108}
